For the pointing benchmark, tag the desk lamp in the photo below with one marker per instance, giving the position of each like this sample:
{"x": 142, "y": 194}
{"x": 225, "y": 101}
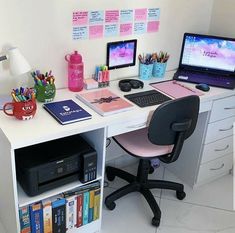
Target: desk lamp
{"x": 18, "y": 65}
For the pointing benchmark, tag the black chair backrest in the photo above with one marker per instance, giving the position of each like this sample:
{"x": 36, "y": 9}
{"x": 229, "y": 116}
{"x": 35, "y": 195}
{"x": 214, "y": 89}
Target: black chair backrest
{"x": 172, "y": 117}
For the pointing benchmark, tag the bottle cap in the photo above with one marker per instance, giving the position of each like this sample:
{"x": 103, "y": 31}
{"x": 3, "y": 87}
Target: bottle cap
{"x": 75, "y": 57}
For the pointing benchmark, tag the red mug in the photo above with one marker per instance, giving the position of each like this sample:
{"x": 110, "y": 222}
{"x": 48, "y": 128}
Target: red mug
{"x": 24, "y": 110}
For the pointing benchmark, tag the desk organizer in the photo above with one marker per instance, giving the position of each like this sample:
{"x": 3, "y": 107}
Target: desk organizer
{"x": 145, "y": 71}
{"x": 159, "y": 69}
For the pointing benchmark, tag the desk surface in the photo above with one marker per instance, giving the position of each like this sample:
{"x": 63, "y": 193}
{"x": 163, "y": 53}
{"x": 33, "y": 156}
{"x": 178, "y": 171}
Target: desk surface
{"x": 43, "y": 127}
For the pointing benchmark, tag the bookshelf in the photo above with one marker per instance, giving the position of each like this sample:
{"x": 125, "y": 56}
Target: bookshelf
{"x": 13, "y": 196}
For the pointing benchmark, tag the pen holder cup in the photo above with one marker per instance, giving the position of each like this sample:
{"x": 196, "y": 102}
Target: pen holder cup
{"x": 23, "y": 110}
{"x": 159, "y": 69}
{"x": 45, "y": 93}
{"x": 145, "y": 71}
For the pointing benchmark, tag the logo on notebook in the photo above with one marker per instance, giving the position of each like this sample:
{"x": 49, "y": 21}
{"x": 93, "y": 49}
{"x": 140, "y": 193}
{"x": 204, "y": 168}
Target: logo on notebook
{"x": 66, "y": 108}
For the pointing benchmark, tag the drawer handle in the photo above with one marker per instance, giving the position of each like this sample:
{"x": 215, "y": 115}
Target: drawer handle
{"x": 137, "y": 126}
{"x": 229, "y": 108}
{"x": 215, "y": 169}
{"x": 226, "y": 129}
{"x": 223, "y": 148}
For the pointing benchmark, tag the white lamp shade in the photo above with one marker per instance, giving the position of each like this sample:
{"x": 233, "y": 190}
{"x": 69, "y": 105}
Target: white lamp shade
{"x": 18, "y": 64}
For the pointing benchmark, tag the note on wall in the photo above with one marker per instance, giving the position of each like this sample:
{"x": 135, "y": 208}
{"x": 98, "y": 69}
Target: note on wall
{"x": 96, "y": 31}
{"x": 111, "y": 30}
{"x": 112, "y": 16}
{"x": 80, "y": 18}
{"x": 96, "y": 17}
{"x": 124, "y": 22}
{"x": 126, "y": 16}
{"x": 126, "y": 29}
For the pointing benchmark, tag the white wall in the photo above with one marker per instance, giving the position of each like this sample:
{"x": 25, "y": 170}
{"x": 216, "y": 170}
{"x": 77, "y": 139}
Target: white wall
{"x": 223, "y": 18}
{"x": 43, "y": 32}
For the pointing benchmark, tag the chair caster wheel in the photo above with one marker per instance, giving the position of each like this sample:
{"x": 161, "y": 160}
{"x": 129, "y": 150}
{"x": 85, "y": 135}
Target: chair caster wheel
{"x": 155, "y": 222}
{"x": 180, "y": 195}
{"x": 111, "y": 205}
{"x": 151, "y": 170}
{"x": 109, "y": 174}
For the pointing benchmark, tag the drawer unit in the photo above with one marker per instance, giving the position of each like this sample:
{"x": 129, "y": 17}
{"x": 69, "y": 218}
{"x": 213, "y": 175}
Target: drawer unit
{"x": 215, "y": 168}
{"x": 217, "y": 149}
{"x": 223, "y": 108}
{"x": 219, "y": 129}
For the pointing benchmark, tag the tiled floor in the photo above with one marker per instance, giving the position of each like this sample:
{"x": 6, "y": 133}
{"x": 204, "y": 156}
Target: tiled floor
{"x": 207, "y": 209}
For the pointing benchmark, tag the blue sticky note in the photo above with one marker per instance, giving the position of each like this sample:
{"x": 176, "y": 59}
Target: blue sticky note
{"x": 80, "y": 33}
{"x": 140, "y": 27}
{"x": 111, "y": 30}
{"x": 153, "y": 14}
{"x": 96, "y": 17}
{"x": 126, "y": 16}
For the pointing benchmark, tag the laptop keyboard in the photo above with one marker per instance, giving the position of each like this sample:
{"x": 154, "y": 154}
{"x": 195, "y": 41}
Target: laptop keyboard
{"x": 147, "y": 98}
{"x": 210, "y": 79}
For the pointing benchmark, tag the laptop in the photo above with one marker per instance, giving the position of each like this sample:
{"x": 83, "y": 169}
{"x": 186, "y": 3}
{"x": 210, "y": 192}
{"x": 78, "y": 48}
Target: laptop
{"x": 207, "y": 59}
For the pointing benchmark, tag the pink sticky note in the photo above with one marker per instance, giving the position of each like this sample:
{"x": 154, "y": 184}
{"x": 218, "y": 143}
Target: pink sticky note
{"x": 125, "y": 29}
{"x": 96, "y": 31}
{"x": 153, "y": 26}
{"x": 80, "y": 18}
{"x": 111, "y": 16}
{"x": 141, "y": 14}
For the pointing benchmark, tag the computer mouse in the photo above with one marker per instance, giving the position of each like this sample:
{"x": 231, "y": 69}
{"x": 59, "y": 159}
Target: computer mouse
{"x": 202, "y": 87}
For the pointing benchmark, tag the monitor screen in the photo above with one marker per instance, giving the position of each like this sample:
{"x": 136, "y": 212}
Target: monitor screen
{"x": 208, "y": 52}
{"x": 121, "y": 54}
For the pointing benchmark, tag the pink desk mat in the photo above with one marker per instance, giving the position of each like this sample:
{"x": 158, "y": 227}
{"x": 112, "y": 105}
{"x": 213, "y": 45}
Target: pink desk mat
{"x": 175, "y": 89}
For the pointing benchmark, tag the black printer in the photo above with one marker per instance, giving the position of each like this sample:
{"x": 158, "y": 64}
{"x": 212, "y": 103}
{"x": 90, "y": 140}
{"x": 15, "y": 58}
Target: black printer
{"x": 48, "y": 165}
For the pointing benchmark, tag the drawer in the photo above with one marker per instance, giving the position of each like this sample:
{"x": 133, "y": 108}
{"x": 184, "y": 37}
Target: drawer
{"x": 126, "y": 126}
{"x": 215, "y": 168}
{"x": 217, "y": 149}
{"x": 223, "y": 108}
{"x": 219, "y": 129}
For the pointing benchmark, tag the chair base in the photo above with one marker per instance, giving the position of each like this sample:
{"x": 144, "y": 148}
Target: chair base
{"x": 142, "y": 184}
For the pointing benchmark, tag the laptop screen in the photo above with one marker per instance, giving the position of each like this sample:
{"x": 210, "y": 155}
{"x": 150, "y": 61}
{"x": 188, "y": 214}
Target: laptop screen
{"x": 209, "y": 53}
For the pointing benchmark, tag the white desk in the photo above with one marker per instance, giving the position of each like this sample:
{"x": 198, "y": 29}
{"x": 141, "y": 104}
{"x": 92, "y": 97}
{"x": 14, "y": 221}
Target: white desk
{"x": 191, "y": 166}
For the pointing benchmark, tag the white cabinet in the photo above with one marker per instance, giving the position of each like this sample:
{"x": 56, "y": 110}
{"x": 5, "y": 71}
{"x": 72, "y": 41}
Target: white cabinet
{"x": 12, "y": 195}
{"x": 216, "y": 159}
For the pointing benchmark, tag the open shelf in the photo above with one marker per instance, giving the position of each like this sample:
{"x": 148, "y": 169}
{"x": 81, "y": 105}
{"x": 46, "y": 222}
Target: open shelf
{"x": 24, "y": 199}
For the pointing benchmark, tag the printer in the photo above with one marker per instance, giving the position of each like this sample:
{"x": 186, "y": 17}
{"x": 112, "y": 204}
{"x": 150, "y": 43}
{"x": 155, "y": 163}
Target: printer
{"x": 48, "y": 165}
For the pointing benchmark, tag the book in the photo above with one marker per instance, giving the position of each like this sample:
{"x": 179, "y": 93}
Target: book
{"x": 85, "y": 213}
{"x": 105, "y": 102}
{"x": 47, "y": 216}
{"x": 59, "y": 215}
{"x": 24, "y": 219}
{"x": 67, "y": 111}
{"x": 91, "y": 206}
{"x": 79, "y": 209}
{"x": 71, "y": 212}
{"x": 96, "y": 204}
{"x": 36, "y": 217}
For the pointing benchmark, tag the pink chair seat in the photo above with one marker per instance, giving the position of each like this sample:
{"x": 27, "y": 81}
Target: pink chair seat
{"x": 137, "y": 143}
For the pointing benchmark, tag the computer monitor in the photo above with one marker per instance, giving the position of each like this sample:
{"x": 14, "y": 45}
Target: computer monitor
{"x": 210, "y": 53}
{"x": 121, "y": 54}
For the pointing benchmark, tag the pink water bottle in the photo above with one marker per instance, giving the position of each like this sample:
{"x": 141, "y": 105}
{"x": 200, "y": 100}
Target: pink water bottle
{"x": 75, "y": 71}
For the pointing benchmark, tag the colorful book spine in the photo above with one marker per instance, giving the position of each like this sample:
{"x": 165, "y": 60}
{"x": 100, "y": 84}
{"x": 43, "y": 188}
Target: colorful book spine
{"x": 85, "y": 213}
{"x": 96, "y": 204}
{"x": 71, "y": 212}
{"x": 24, "y": 220}
{"x": 91, "y": 206}
{"x": 59, "y": 215}
{"x": 47, "y": 216}
{"x": 79, "y": 209}
{"x": 36, "y": 217}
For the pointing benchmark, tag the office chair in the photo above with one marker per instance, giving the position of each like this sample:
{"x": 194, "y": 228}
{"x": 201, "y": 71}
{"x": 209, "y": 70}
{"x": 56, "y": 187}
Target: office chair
{"x": 171, "y": 123}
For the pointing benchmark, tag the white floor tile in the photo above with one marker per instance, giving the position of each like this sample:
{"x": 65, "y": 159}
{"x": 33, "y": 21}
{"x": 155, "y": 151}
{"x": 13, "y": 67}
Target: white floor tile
{"x": 2, "y": 230}
{"x": 132, "y": 214}
{"x": 192, "y": 218}
{"x": 218, "y": 193}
